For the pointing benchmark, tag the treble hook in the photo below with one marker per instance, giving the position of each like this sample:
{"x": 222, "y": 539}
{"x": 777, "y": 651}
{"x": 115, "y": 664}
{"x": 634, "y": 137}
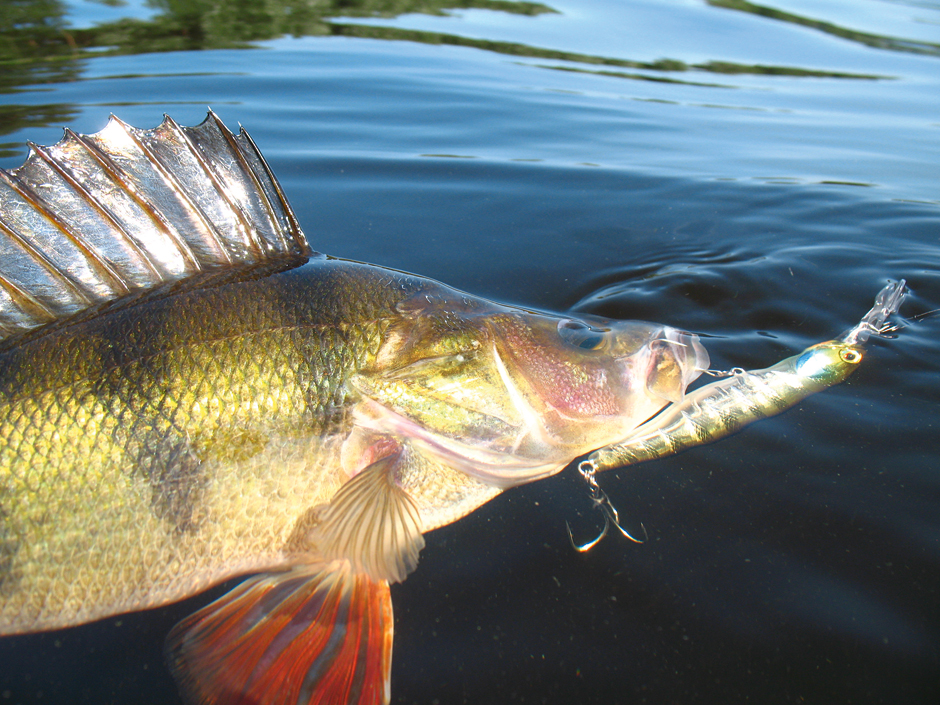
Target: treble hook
{"x": 600, "y": 500}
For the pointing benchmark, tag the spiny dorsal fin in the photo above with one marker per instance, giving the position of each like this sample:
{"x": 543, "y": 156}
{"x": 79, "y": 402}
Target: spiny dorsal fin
{"x": 95, "y": 217}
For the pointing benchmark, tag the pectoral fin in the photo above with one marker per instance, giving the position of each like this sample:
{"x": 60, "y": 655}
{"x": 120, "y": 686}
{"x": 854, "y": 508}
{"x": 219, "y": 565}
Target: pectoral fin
{"x": 313, "y": 635}
{"x": 319, "y": 633}
{"x": 372, "y": 523}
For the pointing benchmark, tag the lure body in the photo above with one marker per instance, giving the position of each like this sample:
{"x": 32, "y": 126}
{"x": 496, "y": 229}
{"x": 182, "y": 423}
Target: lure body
{"x": 721, "y": 408}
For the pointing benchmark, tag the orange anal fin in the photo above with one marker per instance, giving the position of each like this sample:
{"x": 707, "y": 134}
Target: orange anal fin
{"x": 310, "y": 636}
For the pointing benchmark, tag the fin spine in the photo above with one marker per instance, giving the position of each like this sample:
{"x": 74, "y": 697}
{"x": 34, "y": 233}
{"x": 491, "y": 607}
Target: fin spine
{"x": 102, "y": 268}
{"x": 121, "y": 177}
{"x": 236, "y": 148}
{"x": 180, "y": 191}
{"x": 66, "y": 173}
{"x": 40, "y": 257}
{"x": 28, "y": 304}
{"x": 300, "y": 240}
{"x": 233, "y": 207}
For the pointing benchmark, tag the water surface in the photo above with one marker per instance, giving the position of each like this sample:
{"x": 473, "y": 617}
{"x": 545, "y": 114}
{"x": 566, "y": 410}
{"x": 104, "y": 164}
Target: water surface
{"x": 752, "y": 172}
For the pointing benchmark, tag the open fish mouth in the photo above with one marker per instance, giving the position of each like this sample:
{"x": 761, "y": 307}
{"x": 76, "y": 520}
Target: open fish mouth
{"x": 675, "y": 361}
{"x": 523, "y": 400}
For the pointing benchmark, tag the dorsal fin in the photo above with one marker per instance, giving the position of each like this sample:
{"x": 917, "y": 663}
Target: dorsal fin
{"x": 125, "y": 210}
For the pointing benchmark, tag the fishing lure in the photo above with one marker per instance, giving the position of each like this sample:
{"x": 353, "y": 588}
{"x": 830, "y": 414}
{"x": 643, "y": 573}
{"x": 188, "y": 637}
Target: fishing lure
{"x": 727, "y": 405}
{"x": 740, "y": 398}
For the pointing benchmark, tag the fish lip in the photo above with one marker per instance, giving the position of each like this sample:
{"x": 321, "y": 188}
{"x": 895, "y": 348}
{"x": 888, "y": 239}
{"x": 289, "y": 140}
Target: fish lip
{"x": 694, "y": 359}
{"x": 640, "y": 372}
{"x": 693, "y": 343}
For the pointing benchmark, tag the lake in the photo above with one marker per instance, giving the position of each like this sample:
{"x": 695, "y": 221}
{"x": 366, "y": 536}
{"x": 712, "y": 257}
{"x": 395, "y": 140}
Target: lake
{"x": 751, "y": 172}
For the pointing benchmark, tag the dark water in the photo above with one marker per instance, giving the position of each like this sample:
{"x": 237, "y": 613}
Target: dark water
{"x": 752, "y": 172}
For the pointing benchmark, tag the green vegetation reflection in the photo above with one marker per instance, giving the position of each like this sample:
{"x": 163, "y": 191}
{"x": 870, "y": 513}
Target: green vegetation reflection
{"x": 877, "y": 41}
{"x": 38, "y": 47}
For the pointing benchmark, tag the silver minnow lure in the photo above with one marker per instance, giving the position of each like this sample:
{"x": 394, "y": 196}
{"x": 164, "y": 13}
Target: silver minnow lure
{"x": 723, "y": 407}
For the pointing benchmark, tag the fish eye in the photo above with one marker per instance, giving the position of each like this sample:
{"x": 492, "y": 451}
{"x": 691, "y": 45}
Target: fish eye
{"x": 581, "y": 335}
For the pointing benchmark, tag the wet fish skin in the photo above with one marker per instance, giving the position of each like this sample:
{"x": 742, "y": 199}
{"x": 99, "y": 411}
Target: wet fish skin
{"x": 150, "y": 452}
{"x": 153, "y": 450}
{"x": 126, "y": 440}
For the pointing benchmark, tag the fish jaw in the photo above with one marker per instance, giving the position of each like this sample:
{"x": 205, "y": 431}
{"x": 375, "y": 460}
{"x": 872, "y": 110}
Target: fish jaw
{"x": 673, "y": 362}
{"x": 601, "y": 382}
{"x": 493, "y": 467}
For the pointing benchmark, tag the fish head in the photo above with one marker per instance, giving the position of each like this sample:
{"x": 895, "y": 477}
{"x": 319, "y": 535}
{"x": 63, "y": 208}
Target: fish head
{"x": 511, "y": 395}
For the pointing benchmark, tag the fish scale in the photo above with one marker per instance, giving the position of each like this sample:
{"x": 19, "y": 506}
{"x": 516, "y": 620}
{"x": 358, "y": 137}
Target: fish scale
{"x": 70, "y": 435}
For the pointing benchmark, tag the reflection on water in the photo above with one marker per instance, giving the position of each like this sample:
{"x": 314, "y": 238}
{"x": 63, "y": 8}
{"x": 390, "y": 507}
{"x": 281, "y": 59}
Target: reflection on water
{"x": 217, "y": 24}
{"x": 872, "y": 40}
{"x": 18, "y": 117}
{"x": 36, "y": 46}
{"x": 745, "y": 181}
{"x": 514, "y": 49}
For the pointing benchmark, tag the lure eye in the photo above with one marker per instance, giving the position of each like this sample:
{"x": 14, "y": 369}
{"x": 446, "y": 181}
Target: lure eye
{"x": 851, "y": 356}
{"x": 581, "y": 335}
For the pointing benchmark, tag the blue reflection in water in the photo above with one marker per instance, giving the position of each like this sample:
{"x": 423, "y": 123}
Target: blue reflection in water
{"x": 753, "y": 173}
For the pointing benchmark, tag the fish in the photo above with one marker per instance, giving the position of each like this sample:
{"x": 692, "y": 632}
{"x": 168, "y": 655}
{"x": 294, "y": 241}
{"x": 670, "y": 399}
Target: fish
{"x": 189, "y": 393}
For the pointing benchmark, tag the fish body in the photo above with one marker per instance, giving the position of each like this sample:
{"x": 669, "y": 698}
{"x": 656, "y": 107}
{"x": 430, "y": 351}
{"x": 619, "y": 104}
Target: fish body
{"x": 151, "y": 452}
{"x": 188, "y": 393}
